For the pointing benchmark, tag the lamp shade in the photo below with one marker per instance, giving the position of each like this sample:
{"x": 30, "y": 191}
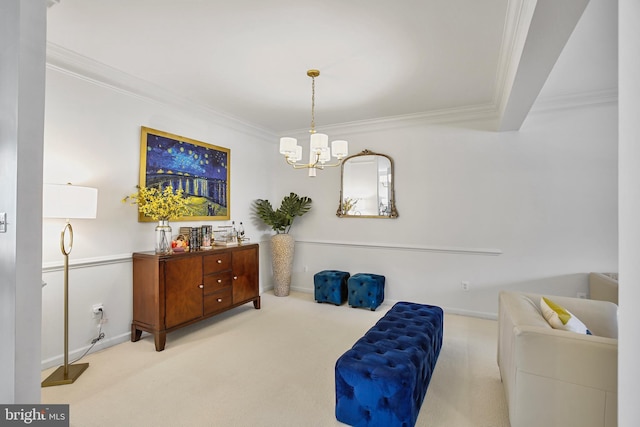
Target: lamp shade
{"x": 319, "y": 141}
{"x": 288, "y": 146}
{"x": 340, "y": 148}
{"x": 69, "y": 201}
{"x": 325, "y": 155}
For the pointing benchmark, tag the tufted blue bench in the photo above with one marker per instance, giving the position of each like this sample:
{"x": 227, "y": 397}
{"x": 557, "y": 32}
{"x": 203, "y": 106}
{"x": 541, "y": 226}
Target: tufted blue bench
{"x": 330, "y": 286}
{"x": 366, "y": 290}
{"x": 382, "y": 380}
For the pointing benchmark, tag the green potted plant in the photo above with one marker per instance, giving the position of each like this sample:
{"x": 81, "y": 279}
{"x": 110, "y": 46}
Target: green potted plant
{"x": 282, "y": 243}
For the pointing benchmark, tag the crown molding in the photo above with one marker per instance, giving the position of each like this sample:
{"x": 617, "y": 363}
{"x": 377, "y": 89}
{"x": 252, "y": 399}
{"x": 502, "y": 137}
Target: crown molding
{"x": 514, "y": 34}
{"x": 529, "y": 52}
{"x": 451, "y": 115}
{"x": 488, "y": 113}
{"x": 83, "y": 68}
{"x": 572, "y": 101}
{"x": 97, "y": 73}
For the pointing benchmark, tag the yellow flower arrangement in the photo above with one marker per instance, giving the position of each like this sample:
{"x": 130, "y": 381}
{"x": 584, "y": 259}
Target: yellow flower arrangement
{"x": 159, "y": 204}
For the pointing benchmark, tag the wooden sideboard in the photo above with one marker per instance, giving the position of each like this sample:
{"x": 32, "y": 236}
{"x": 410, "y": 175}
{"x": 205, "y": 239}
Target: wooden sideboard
{"x": 176, "y": 290}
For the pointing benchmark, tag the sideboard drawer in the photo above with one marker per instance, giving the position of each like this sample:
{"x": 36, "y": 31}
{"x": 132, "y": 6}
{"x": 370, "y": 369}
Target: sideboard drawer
{"x": 215, "y": 282}
{"x": 217, "y": 262}
{"x": 217, "y": 301}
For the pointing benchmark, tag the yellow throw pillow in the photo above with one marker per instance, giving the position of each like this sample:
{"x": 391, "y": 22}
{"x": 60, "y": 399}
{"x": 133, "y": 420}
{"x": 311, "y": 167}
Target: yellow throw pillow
{"x": 561, "y": 318}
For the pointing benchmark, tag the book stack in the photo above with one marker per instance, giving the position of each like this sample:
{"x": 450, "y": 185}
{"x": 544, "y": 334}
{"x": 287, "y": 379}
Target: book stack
{"x": 198, "y": 238}
{"x": 195, "y": 238}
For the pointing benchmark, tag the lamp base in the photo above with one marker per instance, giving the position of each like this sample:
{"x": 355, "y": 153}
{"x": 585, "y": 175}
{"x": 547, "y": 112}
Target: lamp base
{"x": 58, "y": 377}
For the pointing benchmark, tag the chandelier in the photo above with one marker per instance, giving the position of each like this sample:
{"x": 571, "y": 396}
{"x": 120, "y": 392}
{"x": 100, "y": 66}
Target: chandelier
{"x": 319, "y": 153}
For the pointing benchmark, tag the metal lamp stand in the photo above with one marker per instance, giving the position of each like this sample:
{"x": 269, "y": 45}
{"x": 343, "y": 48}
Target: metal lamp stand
{"x": 66, "y": 374}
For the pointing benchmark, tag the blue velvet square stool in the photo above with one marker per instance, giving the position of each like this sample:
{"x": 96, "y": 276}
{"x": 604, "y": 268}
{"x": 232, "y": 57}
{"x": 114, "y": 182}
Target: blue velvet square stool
{"x": 366, "y": 290}
{"x": 330, "y": 286}
{"x": 382, "y": 380}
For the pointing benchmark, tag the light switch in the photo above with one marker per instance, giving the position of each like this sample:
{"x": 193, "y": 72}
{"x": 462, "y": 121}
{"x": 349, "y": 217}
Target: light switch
{"x": 3, "y": 222}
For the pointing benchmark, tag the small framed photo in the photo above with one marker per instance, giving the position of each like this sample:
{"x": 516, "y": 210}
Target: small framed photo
{"x": 201, "y": 170}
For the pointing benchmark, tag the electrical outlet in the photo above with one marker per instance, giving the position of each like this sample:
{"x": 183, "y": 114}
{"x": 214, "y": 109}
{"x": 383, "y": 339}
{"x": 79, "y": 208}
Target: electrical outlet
{"x": 96, "y": 309}
{"x": 582, "y": 295}
{"x": 465, "y": 285}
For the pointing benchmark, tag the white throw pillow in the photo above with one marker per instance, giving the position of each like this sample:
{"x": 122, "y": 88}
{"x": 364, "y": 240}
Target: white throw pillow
{"x": 561, "y": 318}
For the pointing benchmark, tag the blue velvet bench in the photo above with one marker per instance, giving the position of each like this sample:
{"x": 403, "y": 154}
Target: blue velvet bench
{"x": 366, "y": 290}
{"x": 382, "y": 380}
{"x": 330, "y": 286}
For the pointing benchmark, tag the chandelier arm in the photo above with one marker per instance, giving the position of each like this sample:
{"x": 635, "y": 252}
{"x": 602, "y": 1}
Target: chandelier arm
{"x": 286, "y": 159}
{"x": 307, "y": 166}
{"x": 312, "y": 165}
{"x": 332, "y": 165}
{"x": 317, "y": 159}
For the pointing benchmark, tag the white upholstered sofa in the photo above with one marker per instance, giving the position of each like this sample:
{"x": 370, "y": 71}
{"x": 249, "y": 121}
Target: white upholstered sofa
{"x": 553, "y": 377}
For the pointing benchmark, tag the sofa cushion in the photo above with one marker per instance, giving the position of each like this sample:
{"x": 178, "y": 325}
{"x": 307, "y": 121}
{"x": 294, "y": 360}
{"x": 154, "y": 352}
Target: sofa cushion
{"x": 561, "y": 318}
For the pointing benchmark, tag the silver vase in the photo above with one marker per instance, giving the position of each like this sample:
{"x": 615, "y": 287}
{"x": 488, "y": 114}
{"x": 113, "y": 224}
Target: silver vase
{"x": 163, "y": 237}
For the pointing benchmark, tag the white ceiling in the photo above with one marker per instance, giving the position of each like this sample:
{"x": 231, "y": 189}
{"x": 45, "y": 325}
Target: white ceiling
{"x": 378, "y": 58}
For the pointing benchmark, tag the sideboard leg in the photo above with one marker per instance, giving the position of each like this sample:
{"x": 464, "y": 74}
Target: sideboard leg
{"x": 135, "y": 333}
{"x": 160, "y": 339}
{"x": 256, "y": 303}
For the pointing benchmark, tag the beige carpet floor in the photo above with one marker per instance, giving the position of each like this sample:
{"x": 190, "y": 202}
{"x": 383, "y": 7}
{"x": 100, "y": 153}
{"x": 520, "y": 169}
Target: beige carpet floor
{"x": 272, "y": 367}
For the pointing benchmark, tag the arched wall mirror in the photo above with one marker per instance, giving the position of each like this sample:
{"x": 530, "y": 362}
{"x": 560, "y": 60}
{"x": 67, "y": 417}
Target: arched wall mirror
{"x": 366, "y": 186}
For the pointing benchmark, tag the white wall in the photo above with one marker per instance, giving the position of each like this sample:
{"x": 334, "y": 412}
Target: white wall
{"x": 531, "y": 210}
{"x": 92, "y": 138}
{"x": 629, "y": 315}
{"x": 22, "y": 53}
{"x": 545, "y": 197}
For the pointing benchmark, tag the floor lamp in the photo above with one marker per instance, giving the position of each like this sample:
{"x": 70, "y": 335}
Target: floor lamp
{"x": 68, "y": 202}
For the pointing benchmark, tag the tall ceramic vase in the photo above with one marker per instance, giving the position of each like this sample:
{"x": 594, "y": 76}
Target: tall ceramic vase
{"x": 282, "y": 246}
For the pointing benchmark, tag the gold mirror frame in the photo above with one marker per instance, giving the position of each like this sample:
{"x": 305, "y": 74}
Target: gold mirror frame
{"x": 343, "y": 207}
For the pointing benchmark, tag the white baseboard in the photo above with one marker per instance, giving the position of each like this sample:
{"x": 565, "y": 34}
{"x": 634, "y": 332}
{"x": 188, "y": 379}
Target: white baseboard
{"x": 118, "y": 339}
{"x": 389, "y": 303}
{"x": 74, "y": 354}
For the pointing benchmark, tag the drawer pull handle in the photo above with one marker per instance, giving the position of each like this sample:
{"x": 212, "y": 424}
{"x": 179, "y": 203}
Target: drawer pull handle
{"x": 201, "y": 286}
{"x": 219, "y": 261}
{"x": 219, "y": 299}
{"x": 219, "y": 280}
{"x": 235, "y": 277}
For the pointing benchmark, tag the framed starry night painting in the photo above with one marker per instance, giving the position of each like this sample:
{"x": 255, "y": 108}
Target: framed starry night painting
{"x": 201, "y": 170}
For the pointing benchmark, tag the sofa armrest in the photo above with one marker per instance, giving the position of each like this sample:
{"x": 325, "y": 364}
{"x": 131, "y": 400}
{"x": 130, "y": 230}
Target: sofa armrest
{"x": 603, "y": 287}
{"x": 585, "y": 360}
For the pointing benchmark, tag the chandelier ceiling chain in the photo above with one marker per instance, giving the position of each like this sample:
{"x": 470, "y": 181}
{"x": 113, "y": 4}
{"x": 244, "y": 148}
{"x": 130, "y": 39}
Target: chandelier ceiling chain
{"x": 319, "y": 153}
{"x": 313, "y": 100}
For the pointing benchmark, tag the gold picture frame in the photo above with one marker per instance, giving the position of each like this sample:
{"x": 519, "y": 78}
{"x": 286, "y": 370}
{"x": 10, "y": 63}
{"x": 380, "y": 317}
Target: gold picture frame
{"x": 201, "y": 170}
